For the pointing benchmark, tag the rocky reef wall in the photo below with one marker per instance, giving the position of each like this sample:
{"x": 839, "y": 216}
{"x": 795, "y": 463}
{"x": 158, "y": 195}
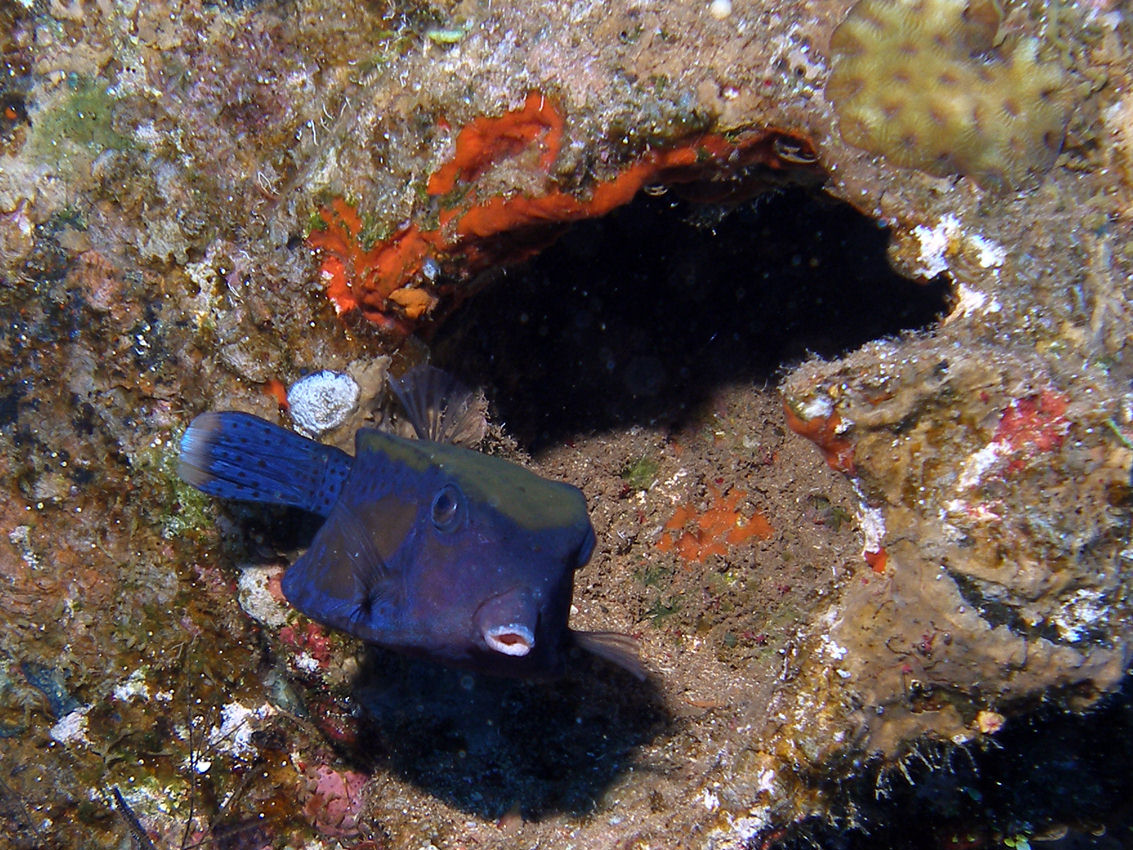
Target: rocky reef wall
{"x": 201, "y": 203}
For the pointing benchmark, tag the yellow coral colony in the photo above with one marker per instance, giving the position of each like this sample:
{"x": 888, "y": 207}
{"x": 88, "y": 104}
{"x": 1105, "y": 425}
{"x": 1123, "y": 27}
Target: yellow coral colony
{"x": 929, "y": 85}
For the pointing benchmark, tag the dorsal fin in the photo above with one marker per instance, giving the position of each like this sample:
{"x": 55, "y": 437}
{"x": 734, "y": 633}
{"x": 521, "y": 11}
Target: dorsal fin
{"x": 440, "y": 408}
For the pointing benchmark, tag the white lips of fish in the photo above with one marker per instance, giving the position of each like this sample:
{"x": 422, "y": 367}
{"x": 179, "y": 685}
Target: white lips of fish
{"x": 512, "y": 639}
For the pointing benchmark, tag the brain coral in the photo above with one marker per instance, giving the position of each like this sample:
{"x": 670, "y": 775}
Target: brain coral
{"x": 930, "y": 85}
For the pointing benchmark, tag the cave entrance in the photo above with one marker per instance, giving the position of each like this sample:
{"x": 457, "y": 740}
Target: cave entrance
{"x": 637, "y": 358}
{"x": 634, "y": 317}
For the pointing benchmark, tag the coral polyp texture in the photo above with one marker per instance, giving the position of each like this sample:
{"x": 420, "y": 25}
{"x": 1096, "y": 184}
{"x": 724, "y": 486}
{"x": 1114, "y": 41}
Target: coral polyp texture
{"x": 933, "y": 85}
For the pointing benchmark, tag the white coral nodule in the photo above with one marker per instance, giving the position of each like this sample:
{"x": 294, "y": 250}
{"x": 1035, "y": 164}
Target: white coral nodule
{"x": 322, "y": 401}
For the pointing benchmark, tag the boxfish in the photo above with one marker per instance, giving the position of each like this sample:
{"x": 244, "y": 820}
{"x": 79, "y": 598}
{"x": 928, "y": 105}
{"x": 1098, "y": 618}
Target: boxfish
{"x": 428, "y": 548}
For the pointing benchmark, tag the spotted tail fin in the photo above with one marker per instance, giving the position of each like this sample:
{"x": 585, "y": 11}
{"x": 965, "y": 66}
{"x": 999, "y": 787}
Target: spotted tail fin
{"x": 240, "y": 456}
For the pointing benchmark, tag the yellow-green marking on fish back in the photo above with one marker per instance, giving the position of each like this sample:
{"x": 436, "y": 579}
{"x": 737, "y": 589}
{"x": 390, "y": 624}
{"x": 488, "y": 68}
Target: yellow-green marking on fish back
{"x": 532, "y": 502}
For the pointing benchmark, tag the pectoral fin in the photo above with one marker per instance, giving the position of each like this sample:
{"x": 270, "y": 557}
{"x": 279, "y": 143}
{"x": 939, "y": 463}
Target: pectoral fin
{"x": 615, "y": 647}
{"x": 344, "y": 579}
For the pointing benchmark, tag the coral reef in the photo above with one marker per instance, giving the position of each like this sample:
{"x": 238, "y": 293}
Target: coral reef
{"x": 183, "y": 183}
{"x": 1004, "y": 559}
{"x": 934, "y": 85}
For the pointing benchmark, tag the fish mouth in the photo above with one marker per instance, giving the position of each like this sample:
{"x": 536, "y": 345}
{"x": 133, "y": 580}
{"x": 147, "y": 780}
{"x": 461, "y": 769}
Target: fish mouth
{"x": 512, "y": 639}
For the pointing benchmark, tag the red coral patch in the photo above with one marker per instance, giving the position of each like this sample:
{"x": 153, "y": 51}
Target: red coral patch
{"x": 1034, "y": 424}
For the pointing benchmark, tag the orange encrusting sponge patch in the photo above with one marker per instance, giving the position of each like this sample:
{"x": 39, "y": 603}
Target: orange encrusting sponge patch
{"x": 486, "y": 140}
{"x": 384, "y": 280}
{"x": 694, "y": 537}
{"x": 500, "y": 214}
{"x": 824, "y": 432}
{"x": 359, "y": 278}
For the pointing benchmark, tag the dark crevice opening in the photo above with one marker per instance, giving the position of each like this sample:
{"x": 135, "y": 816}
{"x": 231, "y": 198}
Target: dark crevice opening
{"x": 1040, "y": 779}
{"x": 635, "y": 317}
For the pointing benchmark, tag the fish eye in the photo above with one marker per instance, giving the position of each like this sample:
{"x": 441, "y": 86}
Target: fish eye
{"x": 446, "y": 508}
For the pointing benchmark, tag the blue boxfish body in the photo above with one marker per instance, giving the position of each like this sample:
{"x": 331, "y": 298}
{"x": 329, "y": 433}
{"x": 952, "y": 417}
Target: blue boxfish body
{"x": 428, "y": 548}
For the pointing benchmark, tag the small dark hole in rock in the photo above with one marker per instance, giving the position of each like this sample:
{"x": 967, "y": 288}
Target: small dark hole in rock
{"x": 636, "y": 316}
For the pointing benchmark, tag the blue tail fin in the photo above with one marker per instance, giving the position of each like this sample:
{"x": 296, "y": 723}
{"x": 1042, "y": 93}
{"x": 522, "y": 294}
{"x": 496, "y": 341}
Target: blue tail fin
{"x": 240, "y": 456}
